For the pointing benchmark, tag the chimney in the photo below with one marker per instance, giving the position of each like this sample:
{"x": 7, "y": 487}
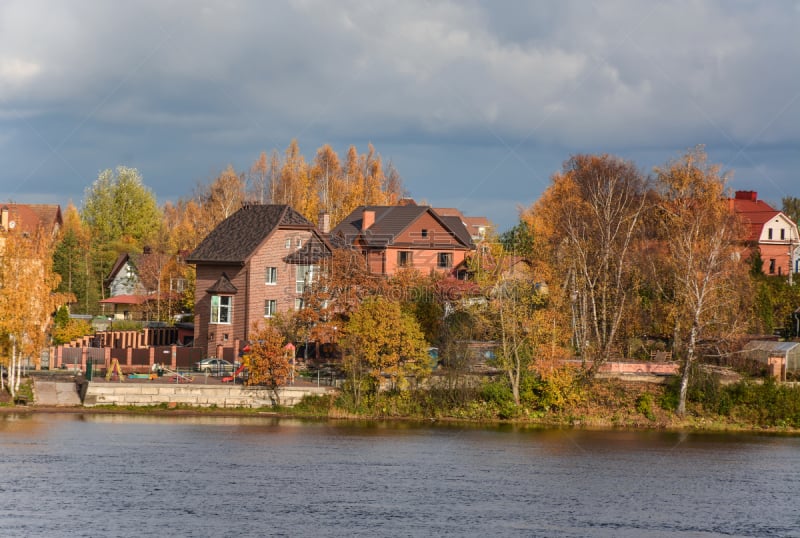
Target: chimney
{"x": 747, "y": 195}
{"x": 324, "y": 222}
{"x": 368, "y": 219}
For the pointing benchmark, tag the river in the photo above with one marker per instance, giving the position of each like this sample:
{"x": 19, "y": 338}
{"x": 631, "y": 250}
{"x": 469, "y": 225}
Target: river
{"x": 122, "y": 475}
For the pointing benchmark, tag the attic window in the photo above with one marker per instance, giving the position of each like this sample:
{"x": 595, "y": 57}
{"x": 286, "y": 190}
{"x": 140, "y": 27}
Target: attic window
{"x": 783, "y": 234}
{"x": 769, "y": 233}
{"x": 424, "y": 232}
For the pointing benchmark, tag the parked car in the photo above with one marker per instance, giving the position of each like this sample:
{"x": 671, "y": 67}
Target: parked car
{"x": 213, "y": 366}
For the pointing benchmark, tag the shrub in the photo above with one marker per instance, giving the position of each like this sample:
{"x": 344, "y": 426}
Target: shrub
{"x": 644, "y": 405}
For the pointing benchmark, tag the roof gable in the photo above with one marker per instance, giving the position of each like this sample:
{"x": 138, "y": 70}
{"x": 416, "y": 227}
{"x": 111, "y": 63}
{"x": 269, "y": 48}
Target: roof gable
{"x": 236, "y": 238}
{"x": 223, "y": 285}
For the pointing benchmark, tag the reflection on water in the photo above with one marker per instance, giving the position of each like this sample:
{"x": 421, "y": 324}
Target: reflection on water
{"x": 122, "y": 475}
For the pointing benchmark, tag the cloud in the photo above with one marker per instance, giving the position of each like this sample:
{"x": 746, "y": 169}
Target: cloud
{"x": 184, "y": 88}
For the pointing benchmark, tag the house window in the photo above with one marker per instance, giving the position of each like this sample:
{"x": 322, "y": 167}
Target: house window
{"x": 271, "y": 276}
{"x": 270, "y": 308}
{"x": 221, "y": 308}
{"x": 783, "y": 234}
{"x": 444, "y": 260}
{"x": 772, "y": 266}
{"x": 305, "y": 276}
{"x": 299, "y": 242}
{"x": 177, "y": 284}
{"x": 769, "y": 233}
{"x": 404, "y": 258}
{"x": 298, "y": 304}
{"x": 287, "y": 243}
{"x": 424, "y": 233}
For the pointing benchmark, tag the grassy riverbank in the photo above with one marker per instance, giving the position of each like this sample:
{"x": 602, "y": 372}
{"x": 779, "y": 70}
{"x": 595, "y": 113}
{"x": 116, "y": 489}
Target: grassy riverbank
{"x": 749, "y": 405}
{"x": 743, "y": 406}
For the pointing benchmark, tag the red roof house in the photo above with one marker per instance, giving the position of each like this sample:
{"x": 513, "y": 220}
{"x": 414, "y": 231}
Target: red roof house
{"x": 774, "y": 233}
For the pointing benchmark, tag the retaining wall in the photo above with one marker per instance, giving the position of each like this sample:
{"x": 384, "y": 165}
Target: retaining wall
{"x": 99, "y": 393}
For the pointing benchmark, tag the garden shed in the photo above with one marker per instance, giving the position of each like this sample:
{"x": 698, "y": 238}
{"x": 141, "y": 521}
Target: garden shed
{"x": 784, "y": 355}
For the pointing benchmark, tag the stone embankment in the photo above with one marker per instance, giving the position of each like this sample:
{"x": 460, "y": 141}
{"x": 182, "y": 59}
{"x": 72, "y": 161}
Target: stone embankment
{"x": 227, "y": 396}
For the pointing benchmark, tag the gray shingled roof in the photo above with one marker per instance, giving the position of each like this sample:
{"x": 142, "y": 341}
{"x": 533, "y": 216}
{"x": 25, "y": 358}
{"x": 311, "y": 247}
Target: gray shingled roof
{"x": 390, "y": 221}
{"x": 311, "y": 253}
{"x": 237, "y": 237}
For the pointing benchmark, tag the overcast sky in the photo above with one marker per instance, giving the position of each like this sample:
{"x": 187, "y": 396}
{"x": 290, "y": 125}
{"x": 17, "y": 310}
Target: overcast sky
{"x": 475, "y": 103}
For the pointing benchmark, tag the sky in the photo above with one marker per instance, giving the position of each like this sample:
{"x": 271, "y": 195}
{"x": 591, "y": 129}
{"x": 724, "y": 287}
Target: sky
{"x": 476, "y": 104}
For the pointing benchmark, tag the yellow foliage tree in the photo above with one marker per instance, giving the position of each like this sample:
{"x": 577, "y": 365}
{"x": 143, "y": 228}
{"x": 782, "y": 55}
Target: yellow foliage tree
{"x": 700, "y": 233}
{"x": 27, "y": 301}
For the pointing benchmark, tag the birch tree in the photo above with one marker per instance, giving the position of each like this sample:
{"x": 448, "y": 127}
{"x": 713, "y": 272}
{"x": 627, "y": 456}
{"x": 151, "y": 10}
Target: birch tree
{"x": 590, "y": 218}
{"x": 699, "y": 233}
{"x": 27, "y": 301}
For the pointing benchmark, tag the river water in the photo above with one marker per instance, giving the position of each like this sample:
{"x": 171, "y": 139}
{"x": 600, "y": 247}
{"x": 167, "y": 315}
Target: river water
{"x": 121, "y": 475}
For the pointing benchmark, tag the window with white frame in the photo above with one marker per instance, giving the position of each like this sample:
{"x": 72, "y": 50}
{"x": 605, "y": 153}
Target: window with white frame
{"x": 288, "y": 243}
{"x": 298, "y": 304}
{"x": 270, "y": 308}
{"x": 305, "y": 276}
{"x": 271, "y": 275}
{"x": 221, "y": 308}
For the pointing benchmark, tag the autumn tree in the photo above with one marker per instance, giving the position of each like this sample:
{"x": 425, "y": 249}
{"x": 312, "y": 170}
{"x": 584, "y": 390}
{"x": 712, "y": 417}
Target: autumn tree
{"x": 27, "y": 299}
{"x": 591, "y": 217}
{"x": 223, "y": 197}
{"x": 267, "y": 361}
{"x": 699, "y": 233}
{"x": 382, "y": 340}
{"x": 790, "y": 206}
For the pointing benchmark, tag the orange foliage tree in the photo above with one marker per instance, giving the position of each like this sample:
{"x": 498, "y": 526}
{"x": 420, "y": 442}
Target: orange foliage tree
{"x": 267, "y": 361}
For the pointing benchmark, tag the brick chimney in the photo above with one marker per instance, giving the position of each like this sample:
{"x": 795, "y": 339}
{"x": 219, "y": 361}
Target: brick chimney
{"x": 747, "y": 195}
{"x": 368, "y": 219}
{"x": 324, "y": 222}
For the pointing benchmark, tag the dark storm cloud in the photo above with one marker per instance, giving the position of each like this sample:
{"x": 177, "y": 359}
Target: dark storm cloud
{"x": 475, "y": 103}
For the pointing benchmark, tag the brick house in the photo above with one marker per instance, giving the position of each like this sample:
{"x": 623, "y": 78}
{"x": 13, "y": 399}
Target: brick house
{"x": 391, "y": 237}
{"x": 774, "y": 233}
{"x": 27, "y": 218}
{"x": 253, "y": 265}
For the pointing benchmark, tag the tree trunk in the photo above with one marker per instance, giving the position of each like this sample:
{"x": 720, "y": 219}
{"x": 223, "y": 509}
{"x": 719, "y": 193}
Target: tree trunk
{"x": 687, "y": 365}
{"x": 12, "y": 369}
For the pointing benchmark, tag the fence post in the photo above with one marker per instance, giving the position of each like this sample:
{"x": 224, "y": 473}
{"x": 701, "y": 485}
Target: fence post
{"x": 129, "y": 356}
{"x": 174, "y": 350}
{"x": 84, "y": 353}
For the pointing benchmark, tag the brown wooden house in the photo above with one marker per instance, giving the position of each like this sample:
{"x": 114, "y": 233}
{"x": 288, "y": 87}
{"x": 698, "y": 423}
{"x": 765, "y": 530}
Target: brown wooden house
{"x": 391, "y": 237}
{"x": 253, "y": 265}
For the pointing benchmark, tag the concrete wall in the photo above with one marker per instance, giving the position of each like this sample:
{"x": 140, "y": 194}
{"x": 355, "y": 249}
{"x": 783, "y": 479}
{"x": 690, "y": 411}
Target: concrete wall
{"x": 99, "y": 393}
